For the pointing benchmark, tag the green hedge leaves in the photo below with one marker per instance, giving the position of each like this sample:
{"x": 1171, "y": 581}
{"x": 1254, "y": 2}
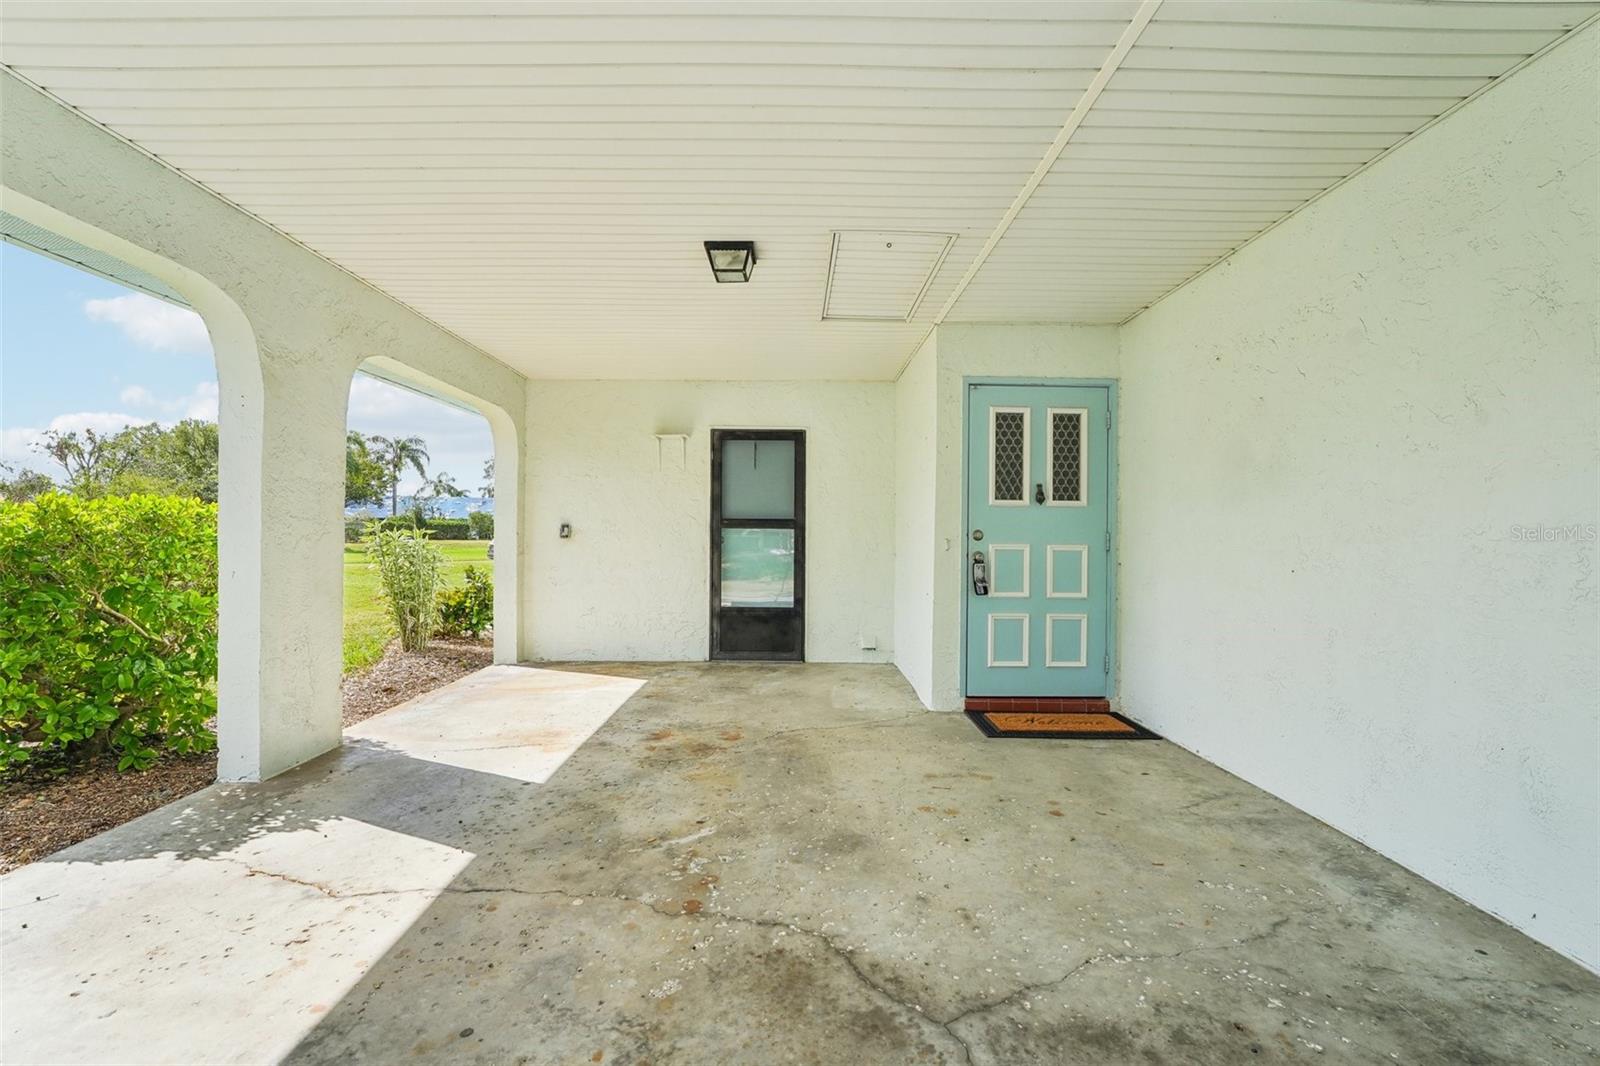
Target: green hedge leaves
{"x": 466, "y": 610}
{"x": 108, "y": 627}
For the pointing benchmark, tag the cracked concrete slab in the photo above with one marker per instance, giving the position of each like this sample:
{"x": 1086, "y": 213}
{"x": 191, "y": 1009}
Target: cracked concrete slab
{"x": 748, "y": 863}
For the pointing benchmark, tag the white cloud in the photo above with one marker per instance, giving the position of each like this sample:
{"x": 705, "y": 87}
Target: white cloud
{"x": 458, "y": 441}
{"x": 99, "y": 421}
{"x": 17, "y": 444}
{"x": 201, "y": 403}
{"x": 152, "y": 323}
{"x": 373, "y": 398}
{"x": 137, "y": 396}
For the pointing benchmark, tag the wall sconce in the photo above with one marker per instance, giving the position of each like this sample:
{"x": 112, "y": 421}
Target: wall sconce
{"x": 731, "y": 260}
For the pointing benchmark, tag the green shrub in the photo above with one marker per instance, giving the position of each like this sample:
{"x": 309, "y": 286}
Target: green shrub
{"x": 355, "y": 529}
{"x": 467, "y": 610}
{"x": 409, "y": 570}
{"x": 108, "y": 627}
{"x": 480, "y": 525}
{"x": 448, "y": 528}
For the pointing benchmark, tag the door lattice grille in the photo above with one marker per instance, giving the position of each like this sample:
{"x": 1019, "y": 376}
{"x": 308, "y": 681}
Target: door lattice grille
{"x": 1066, "y": 457}
{"x": 1010, "y": 451}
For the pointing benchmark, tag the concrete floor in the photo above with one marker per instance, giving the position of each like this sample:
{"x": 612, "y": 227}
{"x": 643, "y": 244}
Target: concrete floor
{"x": 754, "y": 864}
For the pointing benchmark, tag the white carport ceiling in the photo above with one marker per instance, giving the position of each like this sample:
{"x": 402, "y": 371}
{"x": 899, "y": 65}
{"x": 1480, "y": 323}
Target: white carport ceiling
{"x": 538, "y": 177}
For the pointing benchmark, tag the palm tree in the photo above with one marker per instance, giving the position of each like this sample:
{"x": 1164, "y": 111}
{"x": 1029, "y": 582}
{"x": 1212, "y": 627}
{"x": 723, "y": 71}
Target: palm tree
{"x": 442, "y": 485}
{"x": 396, "y": 453}
{"x": 437, "y": 488}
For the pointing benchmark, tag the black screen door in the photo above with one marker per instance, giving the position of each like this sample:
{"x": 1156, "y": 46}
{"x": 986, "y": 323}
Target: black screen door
{"x": 758, "y": 547}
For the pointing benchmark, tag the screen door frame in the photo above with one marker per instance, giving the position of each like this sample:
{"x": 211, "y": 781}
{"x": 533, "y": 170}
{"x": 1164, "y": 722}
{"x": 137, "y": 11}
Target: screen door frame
{"x": 740, "y": 626}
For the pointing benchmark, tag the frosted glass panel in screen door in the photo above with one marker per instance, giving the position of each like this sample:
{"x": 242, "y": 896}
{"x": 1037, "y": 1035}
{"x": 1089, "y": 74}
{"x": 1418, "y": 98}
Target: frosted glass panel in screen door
{"x": 758, "y": 479}
{"x": 758, "y": 567}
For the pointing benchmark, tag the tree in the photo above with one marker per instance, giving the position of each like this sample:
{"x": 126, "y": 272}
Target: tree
{"x": 179, "y": 460}
{"x": 487, "y": 488}
{"x": 441, "y": 485}
{"x": 186, "y": 456}
{"x": 396, "y": 453}
{"x": 365, "y": 478}
{"x": 438, "y": 487}
{"x": 19, "y": 484}
{"x": 89, "y": 458}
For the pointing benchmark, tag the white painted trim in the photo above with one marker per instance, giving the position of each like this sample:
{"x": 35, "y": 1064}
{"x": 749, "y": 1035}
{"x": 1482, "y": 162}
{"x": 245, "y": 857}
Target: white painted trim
{"x": 1083, "y": 456}
{"x": 933, "y": 272}
{"x": 1050, "y": 571}
{"x": 1080, "y": 111}
{"x": 994, "y": 570}
{"x": 1049, "y": 639}
{"x": 1027, "y": 455}
{"x": 1026, "y": 640}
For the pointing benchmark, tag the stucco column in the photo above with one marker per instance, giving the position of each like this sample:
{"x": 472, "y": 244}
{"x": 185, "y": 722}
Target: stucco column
{"x": 510, "y": 522}
{"x": 282, "y": 618}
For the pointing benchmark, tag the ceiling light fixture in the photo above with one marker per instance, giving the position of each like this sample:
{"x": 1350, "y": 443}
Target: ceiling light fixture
{"x": 731, "y": 260}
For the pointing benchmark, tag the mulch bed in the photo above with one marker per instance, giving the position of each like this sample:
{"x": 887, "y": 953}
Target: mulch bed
{"x": 400, "y": 675}
{"x": 41, "y": 814}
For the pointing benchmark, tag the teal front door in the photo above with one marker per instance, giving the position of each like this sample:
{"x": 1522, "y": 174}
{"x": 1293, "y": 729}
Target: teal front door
{"x": 1038, "y": 547}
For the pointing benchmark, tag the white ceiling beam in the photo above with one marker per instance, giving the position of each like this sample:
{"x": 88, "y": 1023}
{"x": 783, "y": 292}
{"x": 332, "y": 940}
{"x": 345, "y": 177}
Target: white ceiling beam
{"x": 1119, "y": 52}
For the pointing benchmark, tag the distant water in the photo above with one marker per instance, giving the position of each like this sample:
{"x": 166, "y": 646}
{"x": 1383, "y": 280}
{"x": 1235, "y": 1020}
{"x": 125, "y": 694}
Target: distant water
{"x": 449, "y": 507}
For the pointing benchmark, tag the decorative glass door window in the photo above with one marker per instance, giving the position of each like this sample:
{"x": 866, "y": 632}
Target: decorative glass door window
{"x": 1008, "y": 449}
{"x": 1069, "y": 449}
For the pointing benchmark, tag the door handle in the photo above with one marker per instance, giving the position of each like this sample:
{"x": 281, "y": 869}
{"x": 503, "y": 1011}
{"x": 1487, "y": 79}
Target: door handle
{"x": 980, "y": 575}
{"x": 1038, "y": 493}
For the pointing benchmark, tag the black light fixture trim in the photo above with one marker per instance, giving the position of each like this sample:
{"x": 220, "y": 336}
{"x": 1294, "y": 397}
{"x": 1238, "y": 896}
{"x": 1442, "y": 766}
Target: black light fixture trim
{"x": 735, "y": 261}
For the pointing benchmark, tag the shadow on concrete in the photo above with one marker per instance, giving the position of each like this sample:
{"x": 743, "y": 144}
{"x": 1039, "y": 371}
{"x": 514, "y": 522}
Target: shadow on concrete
{"x": 288, "y": 888}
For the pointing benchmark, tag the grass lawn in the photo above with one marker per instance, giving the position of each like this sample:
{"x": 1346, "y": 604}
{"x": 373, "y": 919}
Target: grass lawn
{"x": 367, "y": 626}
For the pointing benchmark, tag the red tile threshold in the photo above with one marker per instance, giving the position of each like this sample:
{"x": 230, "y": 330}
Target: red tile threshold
{"x": 1040, "y": 704}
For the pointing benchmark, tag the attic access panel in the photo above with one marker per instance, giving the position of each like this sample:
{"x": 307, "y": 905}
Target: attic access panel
{"x": 881, "y": 275}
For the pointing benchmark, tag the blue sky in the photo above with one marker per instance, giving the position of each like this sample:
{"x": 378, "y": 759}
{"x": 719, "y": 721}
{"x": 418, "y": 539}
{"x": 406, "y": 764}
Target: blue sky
{"x": 77, "y": 351}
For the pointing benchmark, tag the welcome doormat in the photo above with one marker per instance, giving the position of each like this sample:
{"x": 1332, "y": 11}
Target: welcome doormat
{"x": 1059, "y": 725}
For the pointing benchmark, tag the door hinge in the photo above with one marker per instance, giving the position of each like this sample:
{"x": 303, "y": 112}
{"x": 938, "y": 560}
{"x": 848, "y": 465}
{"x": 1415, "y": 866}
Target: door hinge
{"x": 1108, "y": 540}
{"x": 1105, "y": 666}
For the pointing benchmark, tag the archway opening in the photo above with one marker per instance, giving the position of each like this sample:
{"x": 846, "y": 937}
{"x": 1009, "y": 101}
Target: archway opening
{"x": 420, "y": 566}
{"x": 109, "y": 484}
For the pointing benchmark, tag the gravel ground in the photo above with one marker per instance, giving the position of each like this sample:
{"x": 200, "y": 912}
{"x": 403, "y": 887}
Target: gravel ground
{"x": 40, "y": 814}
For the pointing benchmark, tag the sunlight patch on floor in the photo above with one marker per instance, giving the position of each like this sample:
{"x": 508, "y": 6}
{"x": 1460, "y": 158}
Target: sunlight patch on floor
{"x": 513, "y": 721}
{"x": 239, "y": 953}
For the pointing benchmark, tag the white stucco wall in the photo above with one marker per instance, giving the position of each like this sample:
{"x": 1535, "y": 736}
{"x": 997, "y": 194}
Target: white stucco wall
{"x": 986, "y": 350}
{"x": 1330, "y": 446}
{"x": 633, "y": 581}
{"x": 916, "y": 559}
{"x": 289, "y": 330}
